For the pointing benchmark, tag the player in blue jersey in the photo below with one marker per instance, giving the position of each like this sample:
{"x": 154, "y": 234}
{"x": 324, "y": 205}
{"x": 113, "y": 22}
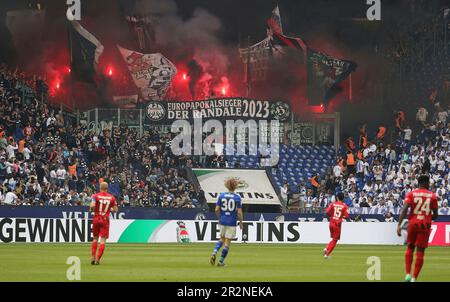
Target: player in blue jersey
{"x": 228, "y": 211}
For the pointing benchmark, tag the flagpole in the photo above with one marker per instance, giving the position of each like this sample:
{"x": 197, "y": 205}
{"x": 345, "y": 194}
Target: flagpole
{"x": 350, "y": 88}
{"x": 70, "y": 64}
{"x": 248, "y": 67}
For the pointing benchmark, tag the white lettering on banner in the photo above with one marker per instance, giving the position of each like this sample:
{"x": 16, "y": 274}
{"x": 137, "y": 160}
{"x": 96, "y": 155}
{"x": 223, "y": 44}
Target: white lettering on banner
{"x": 283, "y": 232}
{"x": 79, "y": 230}
{"x": 44, "y": 230}
{"x": 219, "y": 109}
{"x": 87, "y": 215}
{"x": 303, "y": 219}
{"x": 254, "y": 185}
{"x": 447, "y": 234}
{"x": 434, "y": 228}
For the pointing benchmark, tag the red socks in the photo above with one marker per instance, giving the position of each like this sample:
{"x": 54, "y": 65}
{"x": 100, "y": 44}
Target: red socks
{"x": 331, "y": 246}
{"x": 100, "y": 251}
{"x": 94, "y": 248}
{"x": 408, "y": 260}
{"x": 418, "y": 264}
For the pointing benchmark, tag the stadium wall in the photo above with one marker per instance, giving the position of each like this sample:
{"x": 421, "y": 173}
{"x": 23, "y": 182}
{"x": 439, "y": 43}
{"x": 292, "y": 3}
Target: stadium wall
{"x": 82, "y": 212}
{"x": 169, "y": 231}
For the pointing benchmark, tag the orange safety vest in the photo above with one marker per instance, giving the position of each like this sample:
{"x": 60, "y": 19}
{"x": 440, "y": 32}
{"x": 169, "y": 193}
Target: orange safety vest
{"x": 314, "y": 182}
{"x": 381, "y": 132}
{"x": 21, "y": 145}
{"x": 73, "y": 169}
{"x": 350, "y": 159}
{"x": 359, "y": 154}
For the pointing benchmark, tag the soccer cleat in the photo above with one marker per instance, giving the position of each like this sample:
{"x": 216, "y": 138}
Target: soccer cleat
{"x": 413, "y": 280}
{"x": 408, "y": 278}
{"x": 96, "y": 263}
{"x": 212, "y": 260}
{"x": 221, "y": 263}
{"x": 325, "y": 253}
{"x": 93, "y": 262}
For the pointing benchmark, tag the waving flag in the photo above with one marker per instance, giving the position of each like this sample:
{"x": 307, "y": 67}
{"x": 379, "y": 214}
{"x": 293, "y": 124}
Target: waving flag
{"x": 324, "y": 75}
{"x": 152, "y": 73}
{"x": 256, "y": 60}
{"x": 274, "y": 22}
{"x": 85, "y": 51}
{"x": 280, "y": 40}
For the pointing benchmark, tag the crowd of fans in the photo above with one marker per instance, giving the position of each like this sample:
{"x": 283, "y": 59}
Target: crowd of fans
{"x": 376, "y": 176}
{"x": 44, "y": 160}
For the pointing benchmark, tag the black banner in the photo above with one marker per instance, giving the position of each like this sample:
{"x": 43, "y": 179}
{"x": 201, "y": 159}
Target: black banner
{"x": 85, "y": 51}
{"x": 324, "y": 74}
{"x": 220, "y": 109}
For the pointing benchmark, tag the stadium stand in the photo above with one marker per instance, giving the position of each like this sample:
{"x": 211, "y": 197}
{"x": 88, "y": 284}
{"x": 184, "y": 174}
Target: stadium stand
{"x": 44, "y": 160}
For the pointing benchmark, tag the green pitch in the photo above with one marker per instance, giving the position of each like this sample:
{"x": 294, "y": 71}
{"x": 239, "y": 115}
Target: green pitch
{"x": 190, "y": 262}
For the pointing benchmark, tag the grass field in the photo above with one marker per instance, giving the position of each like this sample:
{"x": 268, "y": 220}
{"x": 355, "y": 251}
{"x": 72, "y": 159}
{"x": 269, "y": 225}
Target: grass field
{"x": 245, "y": 262}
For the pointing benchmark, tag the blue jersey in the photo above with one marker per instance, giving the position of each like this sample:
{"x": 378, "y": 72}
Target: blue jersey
{"x": 228, "y": 203}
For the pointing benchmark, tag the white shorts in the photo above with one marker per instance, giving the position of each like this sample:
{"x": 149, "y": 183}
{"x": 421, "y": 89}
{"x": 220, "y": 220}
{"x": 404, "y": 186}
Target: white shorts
{"x": 227, "y": 231}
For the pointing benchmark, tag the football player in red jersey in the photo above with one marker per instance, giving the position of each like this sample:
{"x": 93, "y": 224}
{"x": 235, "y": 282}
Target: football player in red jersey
{"x": 337, "y": 211}
{"x": 423, "y": 209}
{"x": 102, "y": 204}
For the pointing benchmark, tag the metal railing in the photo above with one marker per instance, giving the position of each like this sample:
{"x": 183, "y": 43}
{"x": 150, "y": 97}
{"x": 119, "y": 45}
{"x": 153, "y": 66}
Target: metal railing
{"x": 317, "y": 129}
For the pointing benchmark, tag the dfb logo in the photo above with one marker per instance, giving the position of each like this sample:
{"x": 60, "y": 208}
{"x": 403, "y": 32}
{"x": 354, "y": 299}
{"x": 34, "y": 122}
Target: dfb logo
{"x": 374, "y": 11}
{"x": 374, "y": 270}
{"x": 74, "y": 10}
{"x": 74, "y": 270}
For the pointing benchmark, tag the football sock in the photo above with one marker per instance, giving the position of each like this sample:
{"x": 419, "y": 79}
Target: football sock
{"x": 218, "y": 246}
{"x": 418, "y": 264}
{"x": 94, "y": 248}
{"x": 101, "y": 249}
{"x": 224, "y": 253}
{"x": 408, "y": 260}
{"x": 331, "y": 246}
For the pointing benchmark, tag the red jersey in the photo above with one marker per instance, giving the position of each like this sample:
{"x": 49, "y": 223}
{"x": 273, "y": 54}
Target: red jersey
{"x": 337, "y": 211}
{"x": 104, "y": 202}
{"x": 422, "y": 202}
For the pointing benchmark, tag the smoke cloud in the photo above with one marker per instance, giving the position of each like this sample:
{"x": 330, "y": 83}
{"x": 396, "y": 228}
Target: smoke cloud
{"x": 193, "y": 44}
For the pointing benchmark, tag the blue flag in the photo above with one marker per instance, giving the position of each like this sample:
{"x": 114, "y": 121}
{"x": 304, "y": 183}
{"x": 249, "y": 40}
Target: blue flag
{"x": 324, "y": 75}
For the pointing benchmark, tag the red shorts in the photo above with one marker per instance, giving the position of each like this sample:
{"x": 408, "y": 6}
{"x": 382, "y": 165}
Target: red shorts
{"x": 419, "y": 233}
{"x": 335, "y": 230}
{"x": 100, "y": 227}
